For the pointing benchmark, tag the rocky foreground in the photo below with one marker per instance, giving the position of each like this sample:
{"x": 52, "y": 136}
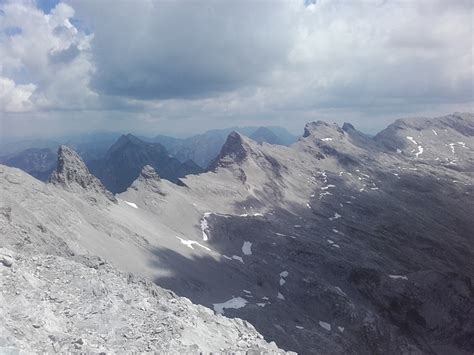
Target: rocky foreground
{"x": 52, "y": 304}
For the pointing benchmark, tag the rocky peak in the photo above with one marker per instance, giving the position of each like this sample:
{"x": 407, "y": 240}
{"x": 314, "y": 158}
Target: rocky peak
{"x": 123, "y": 141}
{"x": 347, "y": 127}
{"x": 72, "y": 174}
{"x": 148, "y": 173}
{"x": 321, "y": 129}
{"x": 149, "y": 179}
{"x": 235, "y": 149}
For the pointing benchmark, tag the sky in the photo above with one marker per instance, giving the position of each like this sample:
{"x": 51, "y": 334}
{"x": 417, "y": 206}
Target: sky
{"x": 183, "y": 67}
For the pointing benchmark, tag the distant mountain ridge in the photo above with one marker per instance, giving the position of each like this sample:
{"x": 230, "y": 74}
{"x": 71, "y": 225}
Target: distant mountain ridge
{"x": 38, "y": 162}
{"x": 203, "y": 148}
{"x": 125, "y": 159}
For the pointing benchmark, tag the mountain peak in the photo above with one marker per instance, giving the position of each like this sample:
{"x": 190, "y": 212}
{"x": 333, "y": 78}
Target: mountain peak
{"x": 320, "y": 129}
{"x": 348, "y": 127}
{"x": 265, "y": 134}
{"x": 72, "y": 173}
{"x": 124, "y": 140}
{"x": 149, "y": 179}
{"x": 149, "y": 173}
{"x": 235, "y": 149}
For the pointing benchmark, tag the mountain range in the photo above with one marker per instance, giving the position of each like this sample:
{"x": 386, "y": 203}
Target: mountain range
{"x": 125, "y": 159}
{"x": 203, "y": 148}
{"x": 339, "y": 243}
{"x": 100, "y": 150}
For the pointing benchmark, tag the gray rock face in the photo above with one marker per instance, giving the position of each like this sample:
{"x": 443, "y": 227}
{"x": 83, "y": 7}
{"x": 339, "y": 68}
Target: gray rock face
{"x": 72, "y": 174}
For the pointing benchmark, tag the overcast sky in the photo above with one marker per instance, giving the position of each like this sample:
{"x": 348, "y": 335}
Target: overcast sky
{"x": 181, "y": 67}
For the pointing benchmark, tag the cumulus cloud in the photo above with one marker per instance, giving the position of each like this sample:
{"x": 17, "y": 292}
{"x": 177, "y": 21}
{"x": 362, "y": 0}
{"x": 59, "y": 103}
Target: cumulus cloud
{"x": 45, "y": 62}
{"x": 215, "y": 63}
{"x": 15, "y": 98}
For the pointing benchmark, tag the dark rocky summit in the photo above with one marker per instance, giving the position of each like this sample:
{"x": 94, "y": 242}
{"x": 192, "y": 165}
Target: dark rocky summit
{"x": 126, "y": 158}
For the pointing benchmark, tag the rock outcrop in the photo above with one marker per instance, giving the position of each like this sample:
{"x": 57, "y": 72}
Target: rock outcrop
{"x": 72, "y": 174}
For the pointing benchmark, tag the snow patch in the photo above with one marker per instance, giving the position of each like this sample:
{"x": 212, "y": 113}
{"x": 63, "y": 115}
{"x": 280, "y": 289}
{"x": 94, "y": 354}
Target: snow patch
{"x": 324, "y": 194}
{"x": 205, "y": 226}
{"x": 131, "y": 204}
{"x": 420, "y": 151}
{"x": 190, "y": 243}
{"x": 299, "y": 327}
{"x": 251, "y": 215}
{"x": 239, "y": 258}
{"x": 412, "y": 140}
{"x": 435, "y": 133}
{"x": 341, "y": 329}
{"x": 235, "y": 303}
{"x": 261, "y": 304}
{"x": 398, "y": 277}
{"x": 326, "y": 139}
{"x": 451, "y": 145}
{"x": 325, "y": 325}
{"x": 280, "y": 296}
{"x": 283, "y": 274}
{"x": 327, "y": 187}
{"x": 247, "y": 248}
{"x": 336, "y": 216}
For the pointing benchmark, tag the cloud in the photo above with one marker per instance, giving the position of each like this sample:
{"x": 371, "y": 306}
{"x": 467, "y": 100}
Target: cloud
{"x": 329, "y": 53}
{"x": 15, "y": 98}
{"x": 213, "y": 63}
{"x": 169, "y": 49}
{"x": 45, "y": 62}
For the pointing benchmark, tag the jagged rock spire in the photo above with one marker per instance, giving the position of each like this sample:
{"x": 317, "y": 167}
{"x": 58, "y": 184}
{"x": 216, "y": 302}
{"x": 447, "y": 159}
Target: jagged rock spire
{"x": 149, "y": 179}
{"x": 148, "y": 173}
{"x": 72, "y": 174}
{"x": 235, "y": 149}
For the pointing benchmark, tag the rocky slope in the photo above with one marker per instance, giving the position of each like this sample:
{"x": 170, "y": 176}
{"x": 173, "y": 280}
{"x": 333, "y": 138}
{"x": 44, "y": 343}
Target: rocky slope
{"x": 341, "y": 243}
{"x": 52, "y": 304}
